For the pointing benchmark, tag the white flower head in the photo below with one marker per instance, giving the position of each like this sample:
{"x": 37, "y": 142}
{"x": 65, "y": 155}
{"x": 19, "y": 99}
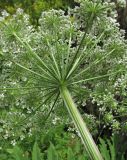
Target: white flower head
{"x": 13, "y": 142}
{"x": 5, "y": 13}
{"x": 122, "y": 3}
{"x": 2, "y": 96}
{"x": 19, "y": 11}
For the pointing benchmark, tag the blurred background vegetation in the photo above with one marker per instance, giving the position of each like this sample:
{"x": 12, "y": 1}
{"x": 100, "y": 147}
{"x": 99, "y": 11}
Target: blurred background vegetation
{"x": 34, "y": 7}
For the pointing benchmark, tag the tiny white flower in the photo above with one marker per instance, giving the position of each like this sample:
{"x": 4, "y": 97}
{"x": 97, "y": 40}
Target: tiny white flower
{"x": 19, "y": 11}
{"x": 9, "y": 64}
{"x": 22, "y": 137}
{"x": 122, "y": 3}
{"x": 13, "y": 142}
{"x": 4, "y": 13}
{"x": 2, "y": 96}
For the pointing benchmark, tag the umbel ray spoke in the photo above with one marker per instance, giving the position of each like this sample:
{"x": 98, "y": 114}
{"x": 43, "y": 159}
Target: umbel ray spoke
{"x": 34, "y": 55}
{"x": 52, "y": 107}
{"x": 81, "y": 58}
{"x": 94, "y": 63}
{"x": 79, "y": 47}
{"x": 28, "y": 48}
{"x": 47, "y": 73}
{"x": 8, "y": 88}
{"x": 54, "y": 61}
{"x": 22, "y": 88}
{"x": 98, "y": 77}
{"x": 46, "y": 79}
{"x": 68, "y": 52}
{"x": 92, "y": 47}
{"x": 49, "y": 95}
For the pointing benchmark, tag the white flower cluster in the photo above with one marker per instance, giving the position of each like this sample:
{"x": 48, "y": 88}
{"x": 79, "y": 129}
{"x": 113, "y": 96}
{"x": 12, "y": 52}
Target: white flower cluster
{"x": 121, "y": 3}
{"x": 55, "y": 120}
{"x": 2, "y": 96}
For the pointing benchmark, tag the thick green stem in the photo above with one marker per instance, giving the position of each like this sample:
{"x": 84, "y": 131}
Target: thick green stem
{"x": 86, "y": 137}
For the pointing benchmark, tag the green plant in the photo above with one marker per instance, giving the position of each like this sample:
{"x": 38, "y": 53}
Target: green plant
{"x": 34, "y": 8}
{"x": 108, "y": 149}
{"x": 107, "y": 152}
{"x": 18, "y": 154}
{"x": 65, "y": 53}
{"x": 51, "y": 154}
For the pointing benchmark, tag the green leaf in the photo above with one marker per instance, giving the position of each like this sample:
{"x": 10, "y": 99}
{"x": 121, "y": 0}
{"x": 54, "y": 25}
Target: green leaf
{"x": 104, "y": 150}
{"x": 70, "y": 155}
{"x": 36, "y": 154}
{"x": 51, "y": 153}
{"x": 112, "y": 148}
{"x": 17, "y": 153}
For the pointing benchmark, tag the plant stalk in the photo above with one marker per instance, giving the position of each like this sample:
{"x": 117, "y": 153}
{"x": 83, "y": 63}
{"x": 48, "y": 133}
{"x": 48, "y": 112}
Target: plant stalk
{"x": 85, "y": 135}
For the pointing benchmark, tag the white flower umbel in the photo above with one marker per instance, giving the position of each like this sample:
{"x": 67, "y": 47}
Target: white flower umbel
{"x": 121, "y": 3}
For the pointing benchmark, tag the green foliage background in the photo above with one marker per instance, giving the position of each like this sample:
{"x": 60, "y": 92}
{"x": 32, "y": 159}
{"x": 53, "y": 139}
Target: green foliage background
{"x": 34, "y": 7}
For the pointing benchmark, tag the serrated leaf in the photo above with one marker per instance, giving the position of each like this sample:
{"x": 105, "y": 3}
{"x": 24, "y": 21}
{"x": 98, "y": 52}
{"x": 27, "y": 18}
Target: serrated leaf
{"x": 17, "y": 153}
{"x": 70, "y": 155}
{"x": 36, "y": 154}
{"x": 51, "y": 153}
{"x": 104, "y": 150}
